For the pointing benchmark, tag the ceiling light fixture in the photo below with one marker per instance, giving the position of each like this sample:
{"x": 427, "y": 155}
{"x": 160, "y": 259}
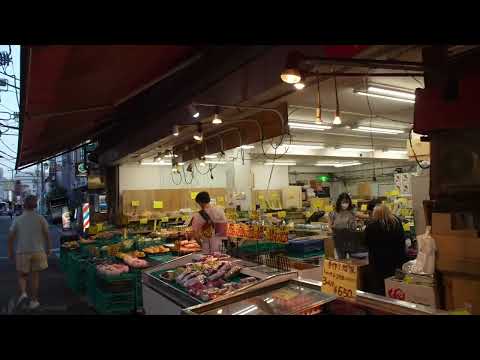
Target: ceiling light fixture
{"x": 391, "y": 92}
{"x": 347, "y": 164}
{"x": 156, "y": 163}
{"x": 181, "y": 163}
{"x": 291, "y": 74}
{"x": 337, "y": 120}
{"x": 308, "y": 126}
{"x": 247, "y": 147}
{"x": 175, "y": 130}
{"x": 193, "y": 111}
{"x": 396, "y": 152}
{"x": 210, "y": 156}
{"x": 216, "y": 119}
{"x": 170, "y": 155}
{"x": 305, "y": 147}
{"x": 284, "y": 163}
{"x": 300, "y": 85}
{"x": 198, "y": 135}
{"x": 360, "y": 92}
{"x": 354, "y": 149}
{"x": 157, "y": 157}
{"x": 215, "y": 162}
{"x": 377, "y": 130}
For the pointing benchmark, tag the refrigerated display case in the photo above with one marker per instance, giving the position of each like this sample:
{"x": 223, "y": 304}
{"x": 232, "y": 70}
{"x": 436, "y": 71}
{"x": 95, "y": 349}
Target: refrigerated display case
{"x": 301, "y": 297}
{"x": 164, "y": 297}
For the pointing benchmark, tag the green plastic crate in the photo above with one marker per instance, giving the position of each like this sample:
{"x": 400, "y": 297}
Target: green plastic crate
{"x": 76, "y": 273}
{"x": 107, "y": 303}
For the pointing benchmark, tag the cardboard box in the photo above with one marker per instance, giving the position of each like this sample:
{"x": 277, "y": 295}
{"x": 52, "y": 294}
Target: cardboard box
{"x": 418, "y": 294}
{"x": 442, "y": 225}
{"x": 460, "y": 290}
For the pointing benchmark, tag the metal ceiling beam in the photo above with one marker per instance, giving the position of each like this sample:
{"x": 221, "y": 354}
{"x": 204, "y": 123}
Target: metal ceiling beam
{"x": 368, "y": 63}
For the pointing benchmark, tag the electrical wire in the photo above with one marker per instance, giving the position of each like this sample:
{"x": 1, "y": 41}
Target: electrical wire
{"x": 8, "y": 147}
{"x": 413, "y": 151}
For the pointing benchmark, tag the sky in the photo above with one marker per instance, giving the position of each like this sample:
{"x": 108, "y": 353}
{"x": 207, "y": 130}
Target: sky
{"x": 8, "y": 104}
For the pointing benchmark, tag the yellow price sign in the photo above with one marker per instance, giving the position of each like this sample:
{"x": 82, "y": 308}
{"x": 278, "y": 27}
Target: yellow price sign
{"x": 329, "y": 208}
{"x": 220, "y": 200}
{"x": 275, "y": 196}
{"x": 355, "y": 202}
{"x": 143, "y": 221}
{"x": 269, "y": 215}
{"x": 194, "y": 194}
{"x": 339, "y": 278}
{"x": 185, "y": 217}
{"x": 261, "y": 197}
{"x": 136, "y": 203}
{"x": 406, "y": 227}
{"x": 100, "y": 227}
{"x": 395, "y": 192}
{"x": 363, "y": 207}
{"x": 157, "y": 204}
{"x": 164, "y": 219}
{"x": 282, "y": 214}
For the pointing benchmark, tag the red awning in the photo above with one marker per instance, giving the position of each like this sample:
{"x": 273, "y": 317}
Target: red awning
{"x": 69, "y": 93}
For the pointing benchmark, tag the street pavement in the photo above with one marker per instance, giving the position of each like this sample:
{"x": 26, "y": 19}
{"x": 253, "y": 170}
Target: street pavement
{"x": 55, "y": 297}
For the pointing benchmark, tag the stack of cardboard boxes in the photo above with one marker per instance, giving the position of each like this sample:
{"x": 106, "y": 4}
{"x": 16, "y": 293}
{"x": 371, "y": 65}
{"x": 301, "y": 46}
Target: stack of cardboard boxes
{"x": 457, "y": 261}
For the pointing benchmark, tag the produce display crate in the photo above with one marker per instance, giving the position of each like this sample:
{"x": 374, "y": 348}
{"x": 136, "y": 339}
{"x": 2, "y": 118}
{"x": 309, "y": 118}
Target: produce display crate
{"x": 116, "y": 284}
{"x": 118, "y": 303}
{"x": 76, "y": 273}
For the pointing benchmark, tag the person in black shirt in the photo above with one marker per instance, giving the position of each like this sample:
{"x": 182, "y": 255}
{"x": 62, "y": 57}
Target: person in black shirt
{"x": 385, "y": 240}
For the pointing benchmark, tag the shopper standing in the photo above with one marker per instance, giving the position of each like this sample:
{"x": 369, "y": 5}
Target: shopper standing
{"x": 341, "y": 221}
{"x": 209, "y": 225}
{"x": 385, "y": 240}
{"x": 30, "y": 232}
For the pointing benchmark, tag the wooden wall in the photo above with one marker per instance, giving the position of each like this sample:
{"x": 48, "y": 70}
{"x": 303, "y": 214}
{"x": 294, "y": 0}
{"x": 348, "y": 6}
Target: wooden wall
{"x": 173, "y": 200}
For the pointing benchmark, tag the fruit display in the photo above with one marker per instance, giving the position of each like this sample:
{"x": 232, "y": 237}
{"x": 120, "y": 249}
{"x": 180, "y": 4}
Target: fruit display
{"x": 209, "y": 277}
{"x": 112, "y": 269}
{"x": 189, "y": 246}
{"x": 156, "y": 249}
{"x": 106, "y": 235}
{"x": 136, "y": 254}
{"x": 277, "y": 234}
{"x": 246, "y": 231}
{"x": 71, "y": 245}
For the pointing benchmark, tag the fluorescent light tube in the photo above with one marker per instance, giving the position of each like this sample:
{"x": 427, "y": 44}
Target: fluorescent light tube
{"x": 280, "y": 163}
{"x": 378, "y": 130}
{"x": 354, "y": 149}
{"x": 359, "y": 92}
{"x": 246, "y": 147}
{"x": 210, "y": 156}
{"x": 390, "y": 92}
{"x": 304, "y": 147}
{"x": 347, "y": 164}
{"x": 215, "y": 162}
{"x": 308, "y": 126}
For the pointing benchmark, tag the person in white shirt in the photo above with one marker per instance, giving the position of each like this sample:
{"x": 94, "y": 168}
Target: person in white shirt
{"x": 30, "y": 232}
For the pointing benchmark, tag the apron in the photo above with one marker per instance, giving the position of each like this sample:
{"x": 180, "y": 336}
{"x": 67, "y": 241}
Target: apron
{"x": 210, "y": 242}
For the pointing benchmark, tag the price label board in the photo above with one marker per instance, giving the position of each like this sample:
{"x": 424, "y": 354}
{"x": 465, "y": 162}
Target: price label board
{"x": 143, "y": 221}
{"x": 164, "y": 219}
{"x": 136, "y": 203}
{"x": 100, "y": 227}
{"x": 363, "y": 207}
{"x": 220, "y": 200}
{"x": 355, "y": 202}
{"x": 158, "y": 204}
{"x": 193, "y": 194}
{"x": 339, "y": 278}
{"x": 282, "y": 214}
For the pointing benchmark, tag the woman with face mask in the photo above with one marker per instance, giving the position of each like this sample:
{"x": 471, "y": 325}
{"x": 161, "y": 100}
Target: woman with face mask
{"x": 343, "y": 218}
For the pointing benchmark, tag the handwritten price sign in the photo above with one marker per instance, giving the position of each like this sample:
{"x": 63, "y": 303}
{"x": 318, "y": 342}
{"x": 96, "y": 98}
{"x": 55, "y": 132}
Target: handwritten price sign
{"x": 339, "y": 278}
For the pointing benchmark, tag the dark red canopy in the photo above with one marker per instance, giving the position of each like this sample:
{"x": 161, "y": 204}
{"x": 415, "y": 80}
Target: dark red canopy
{"x": 69, "y": 93}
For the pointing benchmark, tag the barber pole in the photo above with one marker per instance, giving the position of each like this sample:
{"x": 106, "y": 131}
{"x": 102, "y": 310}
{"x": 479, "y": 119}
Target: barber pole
{"x": 86, "y": 216}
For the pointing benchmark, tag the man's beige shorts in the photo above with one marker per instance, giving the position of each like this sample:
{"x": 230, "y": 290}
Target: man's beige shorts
{"x": 27, "y": 263}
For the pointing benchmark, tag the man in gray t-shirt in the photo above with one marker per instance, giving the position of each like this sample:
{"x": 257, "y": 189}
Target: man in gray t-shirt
{"x": 30, "y": 232}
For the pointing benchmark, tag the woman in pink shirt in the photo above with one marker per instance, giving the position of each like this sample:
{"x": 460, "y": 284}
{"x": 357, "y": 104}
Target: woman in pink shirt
{"x": 209, "y": 225}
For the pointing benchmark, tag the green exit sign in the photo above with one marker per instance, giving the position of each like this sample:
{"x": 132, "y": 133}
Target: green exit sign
{"x": 323, "y": 178}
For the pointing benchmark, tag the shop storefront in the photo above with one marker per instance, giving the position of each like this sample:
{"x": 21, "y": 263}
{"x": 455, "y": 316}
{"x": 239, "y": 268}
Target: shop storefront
{"x": 276, "y": 157}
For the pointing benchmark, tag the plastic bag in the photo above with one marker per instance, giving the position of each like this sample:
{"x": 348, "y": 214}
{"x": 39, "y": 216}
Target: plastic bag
{"x": 425, "y": 261}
